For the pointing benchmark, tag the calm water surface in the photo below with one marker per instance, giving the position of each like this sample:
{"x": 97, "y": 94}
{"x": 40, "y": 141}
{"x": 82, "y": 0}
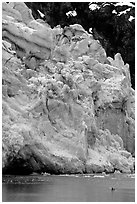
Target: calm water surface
{"x": 69, "y": 188}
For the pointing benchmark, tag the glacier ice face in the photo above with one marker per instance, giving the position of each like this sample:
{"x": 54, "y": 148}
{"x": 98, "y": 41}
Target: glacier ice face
{"x": 67, "y": 107}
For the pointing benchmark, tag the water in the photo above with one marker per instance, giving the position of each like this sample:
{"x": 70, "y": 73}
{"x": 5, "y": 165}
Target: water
{"x": 69, "y": 188}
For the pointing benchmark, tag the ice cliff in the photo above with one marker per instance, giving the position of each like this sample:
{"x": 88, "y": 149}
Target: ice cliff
{"x": 67, "y": 107}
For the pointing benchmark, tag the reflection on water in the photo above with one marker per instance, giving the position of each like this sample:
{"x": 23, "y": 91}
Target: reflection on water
{"x": 88, "y": 188}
